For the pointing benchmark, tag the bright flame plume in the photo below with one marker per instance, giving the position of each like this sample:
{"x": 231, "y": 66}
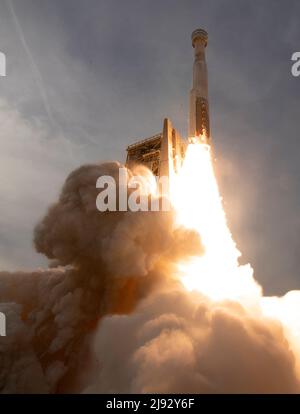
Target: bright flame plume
{"x": 217, "y": 273}
{"x": 195, "y": 196}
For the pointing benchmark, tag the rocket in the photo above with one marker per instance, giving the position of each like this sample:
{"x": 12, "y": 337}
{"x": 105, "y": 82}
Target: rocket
{"x": 199, "y": 130}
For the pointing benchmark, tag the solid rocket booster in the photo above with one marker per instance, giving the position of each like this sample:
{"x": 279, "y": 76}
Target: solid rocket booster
{"x": 199, "y": 130}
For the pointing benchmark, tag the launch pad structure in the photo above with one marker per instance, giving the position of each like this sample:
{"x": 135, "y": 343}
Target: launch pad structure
{"x": 164, "y": 152}
{"x": 160, "y": 153}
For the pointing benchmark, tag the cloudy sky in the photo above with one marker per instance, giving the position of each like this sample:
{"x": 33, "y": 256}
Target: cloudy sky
{"x": 85, "y": 79}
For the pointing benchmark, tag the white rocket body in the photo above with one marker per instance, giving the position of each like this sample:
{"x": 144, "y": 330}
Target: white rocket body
{"x": 199, "y": 129}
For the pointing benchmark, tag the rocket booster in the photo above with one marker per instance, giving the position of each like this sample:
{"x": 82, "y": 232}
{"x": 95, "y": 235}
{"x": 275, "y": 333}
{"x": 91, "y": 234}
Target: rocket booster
{"x": 199, "y": 130}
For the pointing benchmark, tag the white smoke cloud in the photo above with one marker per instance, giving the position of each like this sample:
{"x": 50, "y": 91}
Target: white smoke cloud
{"x": 178, "y": 341}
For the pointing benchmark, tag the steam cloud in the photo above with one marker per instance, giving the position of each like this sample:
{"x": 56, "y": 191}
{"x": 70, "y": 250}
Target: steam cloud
{"x": 110, "y": 306}
{"x": 178, "y": 342}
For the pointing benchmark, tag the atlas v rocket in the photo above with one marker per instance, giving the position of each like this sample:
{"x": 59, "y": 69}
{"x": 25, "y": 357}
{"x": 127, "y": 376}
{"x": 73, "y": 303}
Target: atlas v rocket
{"x": 164, "y": 152}
{"x": 199, "y": 130}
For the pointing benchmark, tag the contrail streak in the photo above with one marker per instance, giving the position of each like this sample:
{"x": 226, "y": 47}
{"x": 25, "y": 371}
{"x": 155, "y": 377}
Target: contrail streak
{"x": 37, "y": 77}
{"x": 36, "y": 72}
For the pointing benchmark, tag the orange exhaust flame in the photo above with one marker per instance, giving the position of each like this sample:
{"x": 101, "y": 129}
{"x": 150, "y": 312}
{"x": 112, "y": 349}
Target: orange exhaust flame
{"x": 217, "y": 274}
{"x": 195, "y": 196}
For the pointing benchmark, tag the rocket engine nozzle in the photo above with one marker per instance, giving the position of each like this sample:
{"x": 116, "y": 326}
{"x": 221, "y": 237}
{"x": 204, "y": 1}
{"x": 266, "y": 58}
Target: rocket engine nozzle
{"x": 199, "y": 139}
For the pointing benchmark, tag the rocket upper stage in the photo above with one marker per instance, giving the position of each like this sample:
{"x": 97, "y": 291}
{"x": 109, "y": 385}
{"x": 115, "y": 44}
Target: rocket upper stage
{"x": 199, "y": 129}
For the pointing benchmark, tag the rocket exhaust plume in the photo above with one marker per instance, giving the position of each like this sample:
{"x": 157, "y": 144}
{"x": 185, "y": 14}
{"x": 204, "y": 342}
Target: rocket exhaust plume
{"x": 198, "y": 205}
{"x": 147, "y": 301}
{"x": 207, "y": 328}
{"x": 128, "y": 312}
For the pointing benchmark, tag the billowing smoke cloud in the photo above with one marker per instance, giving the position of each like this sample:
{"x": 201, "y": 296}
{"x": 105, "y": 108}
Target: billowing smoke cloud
{"x": 111, "y": 316}
{"x": 103, "y": 263}
{"x": 180, "y": 342}
{"x": 121, "y": 243}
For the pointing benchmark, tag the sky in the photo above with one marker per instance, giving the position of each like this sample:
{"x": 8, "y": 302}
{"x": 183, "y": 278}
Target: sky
{"x": 85, "y": 79}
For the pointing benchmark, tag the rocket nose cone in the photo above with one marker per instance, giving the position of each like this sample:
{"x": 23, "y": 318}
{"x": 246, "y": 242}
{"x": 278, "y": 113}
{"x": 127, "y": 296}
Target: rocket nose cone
{"x": 199, "y": 34}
